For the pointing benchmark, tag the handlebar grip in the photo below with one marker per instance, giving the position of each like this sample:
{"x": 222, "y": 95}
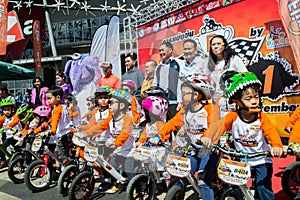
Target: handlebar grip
{"x": 197, "y": 141}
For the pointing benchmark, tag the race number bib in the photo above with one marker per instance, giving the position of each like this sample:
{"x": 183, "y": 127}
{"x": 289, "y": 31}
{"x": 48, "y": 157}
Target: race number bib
{"x": 233, "y": 172}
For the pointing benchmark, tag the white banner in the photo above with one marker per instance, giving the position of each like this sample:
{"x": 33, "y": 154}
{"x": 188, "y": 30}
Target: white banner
{"x": 113, "y": 45}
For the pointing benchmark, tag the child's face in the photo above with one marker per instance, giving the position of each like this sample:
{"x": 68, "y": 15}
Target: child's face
{"x": 186, "y": 94}
{"x": 114, "y": 105}
{"x": 60, "y": 80}
{"x": 52, "y": 100}
{"x": 7, "y": 111}
{"x": 37, "y": 119}
{"x": 102, "y": 100}
{"x": 126, "y": 88}
{"x": 250, "y": 98}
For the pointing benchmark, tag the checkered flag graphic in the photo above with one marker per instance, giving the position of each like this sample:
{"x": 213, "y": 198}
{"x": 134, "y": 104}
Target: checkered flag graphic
{"x": 246, "y": 47}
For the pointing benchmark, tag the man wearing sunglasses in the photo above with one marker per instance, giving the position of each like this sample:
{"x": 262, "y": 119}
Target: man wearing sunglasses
{"x": 109, "y": 79}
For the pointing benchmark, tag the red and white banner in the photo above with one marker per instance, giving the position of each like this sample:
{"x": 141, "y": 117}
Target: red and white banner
{"x": 266, "y": 38}
{"x": 14, "y": 30}
{"x": 37, "y": 46}
{"x": 3, "y": 26}
{"x": 290, "y": 17}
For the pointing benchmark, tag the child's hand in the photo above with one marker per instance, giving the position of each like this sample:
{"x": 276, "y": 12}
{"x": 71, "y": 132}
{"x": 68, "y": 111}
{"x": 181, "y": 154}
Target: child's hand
{"x": 137, "y": 144}
{"x": 206, "y": 141}
{"x": 288, "y": 129}
{"x": 295, "y": 146}
{"x": 276, "y": 151}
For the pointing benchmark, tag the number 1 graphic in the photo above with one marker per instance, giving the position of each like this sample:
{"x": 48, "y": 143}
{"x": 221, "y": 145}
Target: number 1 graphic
{"x": 269, "y": 72}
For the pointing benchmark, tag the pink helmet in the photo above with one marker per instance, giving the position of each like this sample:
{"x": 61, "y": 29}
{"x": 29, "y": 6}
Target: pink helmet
{"x": 156, "y": 105}
{"x": 130, "y": 84}
{"x": 43, "y": 111}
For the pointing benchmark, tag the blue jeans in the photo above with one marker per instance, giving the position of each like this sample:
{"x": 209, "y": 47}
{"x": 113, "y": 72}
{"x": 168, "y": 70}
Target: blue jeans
{"x": 206, "y": 191}
{"x": 263, "y": 180}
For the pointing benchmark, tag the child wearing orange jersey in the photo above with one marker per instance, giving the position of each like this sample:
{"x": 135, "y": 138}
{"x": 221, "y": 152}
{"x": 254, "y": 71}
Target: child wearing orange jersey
{"x": 251, "y": 130}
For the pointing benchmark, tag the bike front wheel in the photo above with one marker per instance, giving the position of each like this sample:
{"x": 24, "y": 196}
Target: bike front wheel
{"x": 232, "y": 193}
{"x": 175, "y": 193}
{"x": 38, "y": 178}
{"x": 290, "y": 180}
{"x": 82, "y": 186}
{"x": 140, "y": 187}
{"x": 66, "y": 178}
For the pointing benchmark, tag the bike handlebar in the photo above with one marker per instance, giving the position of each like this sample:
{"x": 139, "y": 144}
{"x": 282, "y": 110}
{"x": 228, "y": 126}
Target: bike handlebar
{"x": 241, "y": 154}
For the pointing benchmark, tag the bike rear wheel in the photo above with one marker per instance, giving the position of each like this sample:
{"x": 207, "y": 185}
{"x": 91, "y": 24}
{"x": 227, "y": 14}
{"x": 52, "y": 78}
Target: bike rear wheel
{"x": 82, "y": 186}
{"x": 140, "y": 187}
{"x": 290, "y": 180}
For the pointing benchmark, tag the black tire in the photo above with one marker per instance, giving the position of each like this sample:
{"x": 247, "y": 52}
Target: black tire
{"x": 66, "y": 178}
{"x": 139, "y": 187}
{"x": 232, "y": 193}
{"x": 175, "y": 193}
{"x": 16, "y": 155}
{"x": 290, "y": 180}
{"x": 16, "y": 170}
{"x": 84, "y": 183}
{"x": 33, "y": 178}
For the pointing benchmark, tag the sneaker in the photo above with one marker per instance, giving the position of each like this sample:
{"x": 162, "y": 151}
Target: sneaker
{"x": 104, "y": 187}
{"x": 112, "y": 190}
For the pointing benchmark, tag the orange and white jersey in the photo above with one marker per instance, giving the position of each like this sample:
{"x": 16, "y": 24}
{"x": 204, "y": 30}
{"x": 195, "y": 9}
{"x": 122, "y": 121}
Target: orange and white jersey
{"x": 252, "y": 136}
{"x": 121, "y": 135}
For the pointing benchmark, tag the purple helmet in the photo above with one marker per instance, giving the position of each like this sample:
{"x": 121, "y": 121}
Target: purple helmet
{"x": 43, "y": 111}
{"x": 131, "y": 84}
{"x": 156, "y": 105}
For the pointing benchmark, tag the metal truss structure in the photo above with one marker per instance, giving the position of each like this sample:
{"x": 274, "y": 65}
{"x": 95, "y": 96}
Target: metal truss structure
{"x": 154, "y": 11}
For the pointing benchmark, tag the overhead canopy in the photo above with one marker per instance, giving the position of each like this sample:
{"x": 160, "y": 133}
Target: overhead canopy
{"x": 10, "y": 71}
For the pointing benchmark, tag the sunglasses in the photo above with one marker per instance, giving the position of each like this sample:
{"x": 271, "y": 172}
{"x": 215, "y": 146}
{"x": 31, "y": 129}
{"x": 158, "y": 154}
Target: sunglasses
{"x": 112, "y": 102}
{"x": 103, "y": 97}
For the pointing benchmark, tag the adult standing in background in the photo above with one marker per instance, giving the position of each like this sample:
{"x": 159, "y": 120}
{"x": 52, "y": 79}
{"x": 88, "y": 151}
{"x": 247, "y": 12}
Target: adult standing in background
{"x": 38, "y": 94}
{"x": 61, "y": 80}
{"x": 192, "y": 62}
{"x": 133, "y": 73}
{"x": 222, "y": 58}
{"x": 147, "y": 83}
{"x": 109, "y": 79}
{"x": 166, "y": 77}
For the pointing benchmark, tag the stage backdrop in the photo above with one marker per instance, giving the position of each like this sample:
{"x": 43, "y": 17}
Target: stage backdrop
{"x": 253, "y": 28}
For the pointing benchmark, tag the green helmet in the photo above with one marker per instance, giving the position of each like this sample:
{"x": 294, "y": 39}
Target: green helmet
{"x": 121, "y": 95}
{"x": 25, "y": 107}
{"x": 103, "y": 90}
{"x": 239, "y": 81}
{"x": 7, "y": 102}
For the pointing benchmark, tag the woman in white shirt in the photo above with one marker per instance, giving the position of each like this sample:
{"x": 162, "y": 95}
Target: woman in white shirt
{"x": 222, "y": 58}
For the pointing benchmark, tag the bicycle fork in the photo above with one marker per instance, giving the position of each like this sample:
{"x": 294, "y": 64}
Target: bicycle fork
{"x": 246, "y": 191}
{"x": 110, "y": 169}
{"x": 194, "y": 184}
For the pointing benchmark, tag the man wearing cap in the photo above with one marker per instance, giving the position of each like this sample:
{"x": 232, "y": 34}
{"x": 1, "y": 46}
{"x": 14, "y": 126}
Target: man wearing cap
{"x": 109, "y": 79}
